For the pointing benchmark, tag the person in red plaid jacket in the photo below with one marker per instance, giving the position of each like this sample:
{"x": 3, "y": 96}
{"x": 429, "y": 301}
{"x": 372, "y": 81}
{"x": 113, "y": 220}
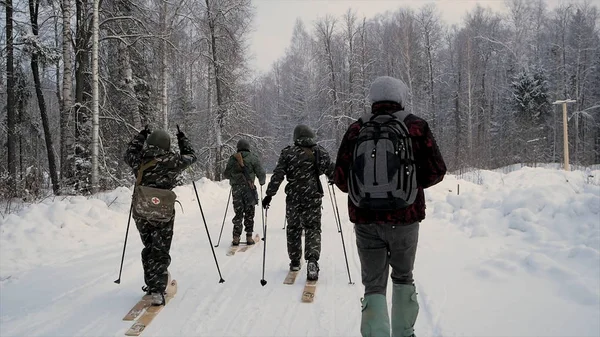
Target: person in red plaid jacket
{"x": 389, "y": 238}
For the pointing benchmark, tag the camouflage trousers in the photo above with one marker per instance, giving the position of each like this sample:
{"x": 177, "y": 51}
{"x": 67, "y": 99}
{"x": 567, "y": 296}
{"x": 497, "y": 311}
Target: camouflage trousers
{"x": 156, "y": 237}
{"x": 243, "y": 211}
{"x": 303, "y": 215}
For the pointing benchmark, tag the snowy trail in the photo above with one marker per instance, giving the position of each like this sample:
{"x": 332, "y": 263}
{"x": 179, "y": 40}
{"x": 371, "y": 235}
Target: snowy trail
{"x": 487, "y": 265}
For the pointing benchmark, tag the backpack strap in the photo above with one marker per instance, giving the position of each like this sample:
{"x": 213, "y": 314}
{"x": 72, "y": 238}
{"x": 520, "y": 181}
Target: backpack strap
{"x": 240, "y": 160}
{"x": 401, "y": 114}
{"x": 142, "y": 168}
{"x": 315, "y": 156}
{"x": 365, "y": 118}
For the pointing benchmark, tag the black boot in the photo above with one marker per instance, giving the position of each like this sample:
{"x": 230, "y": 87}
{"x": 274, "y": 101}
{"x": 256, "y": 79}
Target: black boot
{"x": 312, "y": 269}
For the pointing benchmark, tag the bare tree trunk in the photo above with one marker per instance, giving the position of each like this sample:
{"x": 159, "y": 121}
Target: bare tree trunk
{"x": 428, "y": 20}
{"x": 82, "y": 92}
{"x": 20, "y": 101}
{"x": 363, "y": 39}
{"x": 457, "y": 119}
{"x": 407, "y": 53}
{"x": 431, "y": 84}
{"x": 95, "y": 112}
{"x": 350, "y": 32}
{"x": 56, "y": 46}
{"x": 164, "y": 74}
{"x": 66, "y": 137}
{"x": 220, "y": 110}
{"x": 209, "y": 115}
{"x": 469, "y": 101}
{"x": 10, "y": 100}
{"x": 33, "y": 15}
{"x": 326, "y": 28}
{"x": 127, "y": 98}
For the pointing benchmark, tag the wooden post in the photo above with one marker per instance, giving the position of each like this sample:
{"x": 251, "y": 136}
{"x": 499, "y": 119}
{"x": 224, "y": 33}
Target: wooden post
{"x": 565, "y": 136}
{"x": 565, "y": 132}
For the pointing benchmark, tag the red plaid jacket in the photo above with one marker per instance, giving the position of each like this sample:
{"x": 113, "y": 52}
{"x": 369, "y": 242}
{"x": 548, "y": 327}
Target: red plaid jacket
{"x": 429, "y": 162}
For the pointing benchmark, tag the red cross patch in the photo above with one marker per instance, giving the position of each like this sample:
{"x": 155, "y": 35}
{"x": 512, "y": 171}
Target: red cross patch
{"x": 155, "y": 200}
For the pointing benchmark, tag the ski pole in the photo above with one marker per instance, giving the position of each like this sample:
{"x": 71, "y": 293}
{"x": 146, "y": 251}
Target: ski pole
{"x": 207, "y": 232}
{"x": 341, "y": 234}
{"x": 118, "y": 281}
{"x": 337, "y": 222}
{"x": 224, "y": 216}
{"x": 262, "y": 211}
{"x": 263, "y": 282}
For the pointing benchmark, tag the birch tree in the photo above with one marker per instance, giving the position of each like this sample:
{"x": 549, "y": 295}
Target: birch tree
{"x": 38, "y": 55}
{"x": 66, "y": 136}
{"x": 10, "y": 101}
{"x": 326, "y": 29}
{"x": 95, "y": 112}
{"x": 430, "y": 29}
{"x": 351, "y": 32}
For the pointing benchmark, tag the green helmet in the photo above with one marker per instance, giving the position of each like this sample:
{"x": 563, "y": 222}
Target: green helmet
{"x": 303, "y": 131}
{"x": 243, "y": 144}
{"x": 159, "y": 138}
{"x": 304, "y": 136}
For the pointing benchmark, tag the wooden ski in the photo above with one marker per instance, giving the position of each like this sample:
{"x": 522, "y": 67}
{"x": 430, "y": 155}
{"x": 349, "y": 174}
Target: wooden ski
{"x": 232, "y": 250}
{"x": 291, "y": 277}
{"x": 140, "y": 325}
{"x": 246, "y": 247}
{"x": 138, "y": 308}
{"x": 308, "y": 294}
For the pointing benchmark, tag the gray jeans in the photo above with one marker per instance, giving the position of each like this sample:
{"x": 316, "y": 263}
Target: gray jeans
{"x": 384, "y": 245}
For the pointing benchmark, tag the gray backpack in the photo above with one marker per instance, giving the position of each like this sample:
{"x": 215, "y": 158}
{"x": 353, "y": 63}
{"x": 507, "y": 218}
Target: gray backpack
{"x": 383, "y": 173}
{"x": 151, "y": 203}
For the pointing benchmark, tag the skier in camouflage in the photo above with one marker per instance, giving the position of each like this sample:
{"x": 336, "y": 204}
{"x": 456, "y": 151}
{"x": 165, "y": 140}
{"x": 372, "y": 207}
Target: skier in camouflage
{"x": 304, "y": 194}
{"x": 243, "y": 190}
{"x": 157, "y": 236}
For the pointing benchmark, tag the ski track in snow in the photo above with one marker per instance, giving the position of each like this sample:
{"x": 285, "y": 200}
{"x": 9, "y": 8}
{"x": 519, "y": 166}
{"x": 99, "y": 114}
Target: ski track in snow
{"x": 491, "y": 261}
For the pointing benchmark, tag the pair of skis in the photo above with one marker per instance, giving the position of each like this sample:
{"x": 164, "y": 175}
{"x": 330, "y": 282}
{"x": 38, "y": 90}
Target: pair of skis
{"x": 150, "y": 312}
{"x": 310, "y": 287}
{"x": 241, "y": 247}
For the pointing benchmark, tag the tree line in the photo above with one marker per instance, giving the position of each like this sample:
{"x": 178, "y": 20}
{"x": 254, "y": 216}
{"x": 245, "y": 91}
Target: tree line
{"x": 485, "y": 86}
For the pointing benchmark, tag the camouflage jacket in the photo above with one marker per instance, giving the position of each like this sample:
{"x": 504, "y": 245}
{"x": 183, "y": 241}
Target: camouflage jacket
{"x": 168, "y": 167}
{"x": 234, "y": 172}
{"x": 297, "y": 164}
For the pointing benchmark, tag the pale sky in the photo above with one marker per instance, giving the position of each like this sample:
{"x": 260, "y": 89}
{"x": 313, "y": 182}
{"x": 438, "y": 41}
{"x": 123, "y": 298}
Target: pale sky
{"x": 274, "y": 19}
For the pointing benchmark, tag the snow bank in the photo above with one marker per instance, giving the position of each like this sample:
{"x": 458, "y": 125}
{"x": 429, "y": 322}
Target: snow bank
{"x": 547, "y": 221}
{"x": 56, "y": 229}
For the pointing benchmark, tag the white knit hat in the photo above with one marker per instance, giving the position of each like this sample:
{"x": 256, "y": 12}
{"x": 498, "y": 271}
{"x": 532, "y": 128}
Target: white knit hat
{"x": 386, "y": 88}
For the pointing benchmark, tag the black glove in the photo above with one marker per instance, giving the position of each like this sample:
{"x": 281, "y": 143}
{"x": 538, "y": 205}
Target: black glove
{"x": 146, "y": 131}
{"x": 266, "y": 201}
{"x": 330, "y": 181}
{"x": 180, "y": 133}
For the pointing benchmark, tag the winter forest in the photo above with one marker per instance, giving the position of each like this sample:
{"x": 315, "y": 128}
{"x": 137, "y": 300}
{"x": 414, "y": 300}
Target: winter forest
{"x": 81, "y": 77}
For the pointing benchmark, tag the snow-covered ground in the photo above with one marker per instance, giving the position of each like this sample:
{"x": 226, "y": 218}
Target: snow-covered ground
{"x": 514, "y": 254}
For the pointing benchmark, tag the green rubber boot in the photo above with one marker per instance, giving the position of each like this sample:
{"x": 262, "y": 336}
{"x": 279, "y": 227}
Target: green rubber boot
{"x": 405, "y": 309}
{"x": 375, "y": 321}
